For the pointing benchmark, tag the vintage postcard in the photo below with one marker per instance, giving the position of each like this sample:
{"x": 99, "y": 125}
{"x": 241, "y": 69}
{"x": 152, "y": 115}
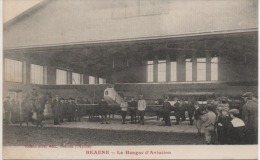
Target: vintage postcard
{"x": 130, "y": 79}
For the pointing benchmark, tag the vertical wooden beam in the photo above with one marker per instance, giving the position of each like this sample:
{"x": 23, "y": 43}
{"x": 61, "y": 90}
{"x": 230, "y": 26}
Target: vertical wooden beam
{"x": 168, "y": 68}
{"x": 194, "y": 67}
{"x": 208, "y": 66}
{"x": 26, "y": 72}
{"x": 180, "y": 67}
{"x": 155, "y": 69}
{"x": 69, "y": 77}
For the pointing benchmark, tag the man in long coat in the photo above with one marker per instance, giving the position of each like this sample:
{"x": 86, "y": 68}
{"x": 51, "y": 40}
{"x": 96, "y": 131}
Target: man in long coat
{"x": 250, "y": 117}
{"x": 56, "y": 110}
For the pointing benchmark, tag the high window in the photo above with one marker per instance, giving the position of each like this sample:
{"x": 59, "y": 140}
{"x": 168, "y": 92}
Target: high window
{"x": 214, "y": 69}
{"x": 102, "y": 81}
{"x": 61, "y": 76}
{"x": 76, "y": 78}
{"x": 13, "y": 70}
{"x": 201, "y": 69}
{"x": 36, "y": 74}
{"x": 188, "y": 70}
{"x": 173, "y": 71}
{"x": 92, "y": 80}
{"x": 150, "y": 71}
{"x": 161, "y": 70}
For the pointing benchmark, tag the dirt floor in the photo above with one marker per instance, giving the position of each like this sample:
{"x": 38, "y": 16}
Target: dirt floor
{"x": 15, "y": 136}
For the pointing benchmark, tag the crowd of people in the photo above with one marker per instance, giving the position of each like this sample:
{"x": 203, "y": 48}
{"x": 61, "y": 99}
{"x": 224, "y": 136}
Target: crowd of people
{"x": 221, "y": 123}
{"x": 11, "y": 110}
{"x": 67, "y": 109}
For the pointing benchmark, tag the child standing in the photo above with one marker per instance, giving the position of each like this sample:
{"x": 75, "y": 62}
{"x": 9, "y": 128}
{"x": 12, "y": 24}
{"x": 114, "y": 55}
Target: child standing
{"x": 237, "y": 128}
{"x": 222, "y": 126}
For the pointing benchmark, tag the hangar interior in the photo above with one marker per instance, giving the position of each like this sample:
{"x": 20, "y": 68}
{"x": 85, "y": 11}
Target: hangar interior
{"x": 138, "y": 50}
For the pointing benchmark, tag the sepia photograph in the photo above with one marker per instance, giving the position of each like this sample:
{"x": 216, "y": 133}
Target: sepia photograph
{"x": 130, "y": 79}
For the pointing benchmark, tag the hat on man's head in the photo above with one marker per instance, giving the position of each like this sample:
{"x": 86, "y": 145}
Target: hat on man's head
{"x": 234, "y": 111}
{"x": 166, "y": 97}
{"x": 248, "y": 95}
{"x": 210, "y": 107}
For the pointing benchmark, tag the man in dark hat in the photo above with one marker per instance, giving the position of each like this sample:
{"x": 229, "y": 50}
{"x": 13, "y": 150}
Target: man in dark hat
{"x": 250, "y": 117}
{"x": 56, "y": 110}
{"x": 167, "y": 111}
{"x": 133, "y": 109}
{"x": 177, "y": 111}
{"x": 103, "y": 110}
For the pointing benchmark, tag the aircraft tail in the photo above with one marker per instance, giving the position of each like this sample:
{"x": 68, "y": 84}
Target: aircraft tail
{"x": 112, "y": 97}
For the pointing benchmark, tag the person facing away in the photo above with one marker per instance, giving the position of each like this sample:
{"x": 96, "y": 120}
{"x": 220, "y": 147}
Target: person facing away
{"x": 167, "y": 111}
{"x": 198, "y": 115}
{"x": 223, "y": 123}
{"x": 250, "y": 117}
{"x": 124, "y": 107}
{"x": 103, "y": 110}
{"x": 133, "y": 108}
{"x": 141, "y": 108}
{"x": 237, "y": 128}
{"x": 209, "y": 122}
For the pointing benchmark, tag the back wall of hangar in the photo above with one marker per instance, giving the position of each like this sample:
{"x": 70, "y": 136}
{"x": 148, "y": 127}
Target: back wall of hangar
{"x": 126, "y": 62}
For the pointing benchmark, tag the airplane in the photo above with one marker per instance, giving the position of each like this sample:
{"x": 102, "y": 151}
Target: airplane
{"x": 114, "y": 100}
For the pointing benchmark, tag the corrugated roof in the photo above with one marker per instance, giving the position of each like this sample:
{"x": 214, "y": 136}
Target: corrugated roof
{"x": 82, "y": 21}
